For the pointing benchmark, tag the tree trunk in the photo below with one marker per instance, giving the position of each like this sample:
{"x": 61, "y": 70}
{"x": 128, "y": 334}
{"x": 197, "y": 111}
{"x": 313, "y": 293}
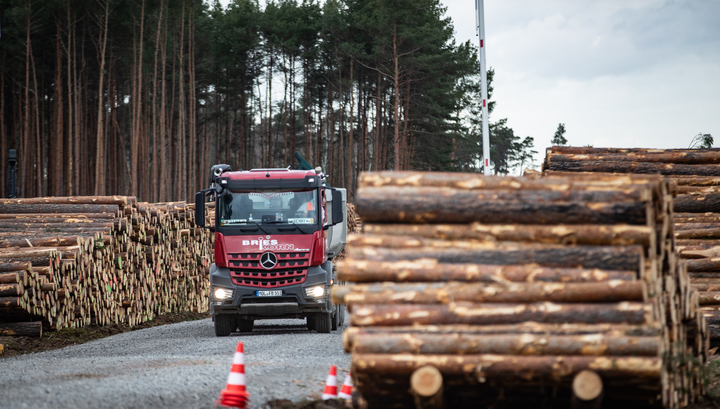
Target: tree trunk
{"x": 493, "y": 314}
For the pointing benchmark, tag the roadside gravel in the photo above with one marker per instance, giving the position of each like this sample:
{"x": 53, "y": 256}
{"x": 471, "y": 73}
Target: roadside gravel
{"x": 180, "y": 365}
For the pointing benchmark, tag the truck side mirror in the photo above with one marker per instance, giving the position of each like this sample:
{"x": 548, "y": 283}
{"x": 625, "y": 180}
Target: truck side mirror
{"x": 200, "y": 209}
{"x": 337, "y": 207}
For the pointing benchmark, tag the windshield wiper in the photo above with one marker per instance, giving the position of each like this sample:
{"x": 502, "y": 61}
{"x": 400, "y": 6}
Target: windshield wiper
{"x": 258, "y": 225}
{"x": 299, "y": 228}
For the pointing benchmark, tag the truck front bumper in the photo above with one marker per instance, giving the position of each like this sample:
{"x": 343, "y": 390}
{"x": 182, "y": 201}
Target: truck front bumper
{"x": 293, "y": 301}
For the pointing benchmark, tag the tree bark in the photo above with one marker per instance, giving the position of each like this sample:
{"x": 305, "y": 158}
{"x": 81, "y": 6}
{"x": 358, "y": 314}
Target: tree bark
{"x": 555, "y": 234}
{"x": 507, "y": 344}
{"x": 628, "y": 258}
{"x": 492, "y": 314}
{"x": 443, "y": 293}
{"x": 22, "y": 329}
{"x": 504, "y": 367}
{"x": 424, "y": 270}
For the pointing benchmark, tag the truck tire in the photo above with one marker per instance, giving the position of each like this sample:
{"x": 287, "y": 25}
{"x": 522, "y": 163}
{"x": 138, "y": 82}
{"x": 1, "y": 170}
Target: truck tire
{"x": 224, "y": 325}
{"x": 323, "y": 322}
{"x": 341, "y": 316}
{"x": 244, "y": 325}
{"x": 311, "y": 322}
{"x": 335, "y": 318}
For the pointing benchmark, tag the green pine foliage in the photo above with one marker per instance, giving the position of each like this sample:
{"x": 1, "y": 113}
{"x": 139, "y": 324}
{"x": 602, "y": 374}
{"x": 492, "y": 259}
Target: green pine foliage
{"x": 353, "y": 85}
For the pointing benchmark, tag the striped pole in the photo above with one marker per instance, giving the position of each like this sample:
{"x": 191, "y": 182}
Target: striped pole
{"x": 480, "y": 31}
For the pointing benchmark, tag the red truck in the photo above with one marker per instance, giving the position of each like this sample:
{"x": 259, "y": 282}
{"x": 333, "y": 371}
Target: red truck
{"x": 276, "y": 233}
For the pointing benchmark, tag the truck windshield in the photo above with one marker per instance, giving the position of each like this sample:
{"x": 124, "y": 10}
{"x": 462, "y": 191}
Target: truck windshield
{"x": 268, "y": 207}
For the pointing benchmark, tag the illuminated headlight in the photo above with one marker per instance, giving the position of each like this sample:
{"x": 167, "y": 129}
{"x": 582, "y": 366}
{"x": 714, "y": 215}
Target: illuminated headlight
{"x": 223, "y": 294}
{"x": 316, "y": 292}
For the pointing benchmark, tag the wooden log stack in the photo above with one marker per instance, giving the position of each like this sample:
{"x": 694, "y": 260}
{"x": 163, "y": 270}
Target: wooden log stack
{"x": 696, "y": 175}
{"x": 516, "y": 289}
{"x": 76, "y": 261}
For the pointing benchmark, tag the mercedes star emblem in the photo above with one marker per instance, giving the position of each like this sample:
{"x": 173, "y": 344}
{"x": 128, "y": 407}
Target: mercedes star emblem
{"x": 268, "y": 260}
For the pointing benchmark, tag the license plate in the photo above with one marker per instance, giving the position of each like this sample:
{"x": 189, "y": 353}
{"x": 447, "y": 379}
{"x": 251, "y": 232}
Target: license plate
{"x": 270, "y": 293}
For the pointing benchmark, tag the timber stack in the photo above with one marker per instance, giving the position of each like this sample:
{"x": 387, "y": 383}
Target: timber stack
{"x": 696, "y": 174}
{"x": 75, "y": 261}
{"x": 468, "y": 290}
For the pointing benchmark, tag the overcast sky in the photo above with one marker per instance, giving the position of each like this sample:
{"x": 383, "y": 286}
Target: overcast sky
{"x": 617, "y": 73}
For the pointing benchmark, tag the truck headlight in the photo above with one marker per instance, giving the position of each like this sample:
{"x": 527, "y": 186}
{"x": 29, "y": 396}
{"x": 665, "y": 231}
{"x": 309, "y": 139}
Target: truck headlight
{"x": 223, "y": 294}
{"x": 316, "y": 292}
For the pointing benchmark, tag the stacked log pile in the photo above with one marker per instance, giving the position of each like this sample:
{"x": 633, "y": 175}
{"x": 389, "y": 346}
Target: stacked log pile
{"x": 696, "y": 173}
{"x": 469, "y": 290}
{"x": 75, "y": 261}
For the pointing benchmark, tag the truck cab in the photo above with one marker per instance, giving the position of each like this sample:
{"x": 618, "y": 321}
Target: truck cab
{"x": 276, "y": 233}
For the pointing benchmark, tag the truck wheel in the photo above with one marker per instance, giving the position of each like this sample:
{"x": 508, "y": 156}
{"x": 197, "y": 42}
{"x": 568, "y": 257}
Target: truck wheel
{"x": 323, "y": 322}
{"x": 335, "y": 318}
{"x": 224, "y": 325}
{"x": 311, "y": 322}
{"x": 341, "y": 316}
{"x": 245, "y": 325}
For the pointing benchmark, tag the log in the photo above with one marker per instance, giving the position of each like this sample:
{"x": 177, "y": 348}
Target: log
{"x": 56, "y": 208}
{"x": 15, "y": 266}
{"x": 709, "y": 297}
{"x": 697, "y": 203}
{"x": 443, "y": 293}
{"x": 493, "y": 314}
{"x": 11, "y": 290}
{"x": 424, "y": 270}
{"x": 471, "y": 181}
{"x": 628, "y": 258}
{"x": 698, "y": 234}
{"x": 9, "y": 278}
{"x": 524, "y": 328}
{"x": 587, "y": 386}
{"x": 695, "y": 225}
{"x": 703, "y": 265}
{"x": 690, "y": 157}
{"x": 10, "y": 302}
{"x": 444, "y": 205}
{"x": 40, "y": 241}
{"x": 21, "y": 329}
{"x": 70, "y": 200}
{"x": 589, "y": 150}
{"x": 57, "y": 216}
{"x": 557, "y": 234}
{"x": 426, "y": 384}
{"x": 507, "y": 344}
{"x": 635, "y": 167}
{"x": 488, "y": 367}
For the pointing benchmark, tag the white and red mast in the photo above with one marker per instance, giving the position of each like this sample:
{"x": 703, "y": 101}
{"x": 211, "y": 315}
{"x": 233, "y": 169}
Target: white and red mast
{"x": 480, "y": 31}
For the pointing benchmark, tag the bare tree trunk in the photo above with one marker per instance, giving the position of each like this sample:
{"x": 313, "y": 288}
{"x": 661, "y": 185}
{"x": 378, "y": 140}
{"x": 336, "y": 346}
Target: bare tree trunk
{"x": 378, "y": 123}
{"x": 135, "y": 137}
{"x": 100, "y": 140}
{"x": 26, "y": 119}
{"x": 163, "y": 194}
{"x": 396, "y": 103}
{"x": 39, "y": 156}
{"x": 350, "y": 135}
{"x": 285, "y": 115}
{"x": 182, "y": 158}
{"x": 57, "y": 143}
{"x": 69, "y": 169}
{"x": 192, "y": 154}
{"x": 156, "y": 152}
{"x": 3, "y": 135}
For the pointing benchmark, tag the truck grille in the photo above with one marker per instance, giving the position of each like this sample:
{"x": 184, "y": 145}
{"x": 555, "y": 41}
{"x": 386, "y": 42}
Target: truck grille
{"x": 245, "y": 269}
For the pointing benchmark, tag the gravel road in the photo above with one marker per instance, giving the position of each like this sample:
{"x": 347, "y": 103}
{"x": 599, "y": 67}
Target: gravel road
{"x": 181, "y": 365}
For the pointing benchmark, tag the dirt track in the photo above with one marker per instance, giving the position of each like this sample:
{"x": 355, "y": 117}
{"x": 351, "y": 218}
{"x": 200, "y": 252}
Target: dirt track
{"x": 181, "y": 365}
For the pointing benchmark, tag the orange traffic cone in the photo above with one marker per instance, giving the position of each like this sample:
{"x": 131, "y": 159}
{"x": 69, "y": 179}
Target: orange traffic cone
{"x": 235, "y": 395}
{"x": 346, "y": 390}
{"x": 331, "y": 385}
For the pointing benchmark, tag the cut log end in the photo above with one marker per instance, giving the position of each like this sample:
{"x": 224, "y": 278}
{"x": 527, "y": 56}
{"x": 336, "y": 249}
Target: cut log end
{"x": 587, "y": 385}
{"x": 426, "y": 381}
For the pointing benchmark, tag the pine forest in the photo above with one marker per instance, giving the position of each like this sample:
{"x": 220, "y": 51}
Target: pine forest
{"x": 142, "y": 97}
